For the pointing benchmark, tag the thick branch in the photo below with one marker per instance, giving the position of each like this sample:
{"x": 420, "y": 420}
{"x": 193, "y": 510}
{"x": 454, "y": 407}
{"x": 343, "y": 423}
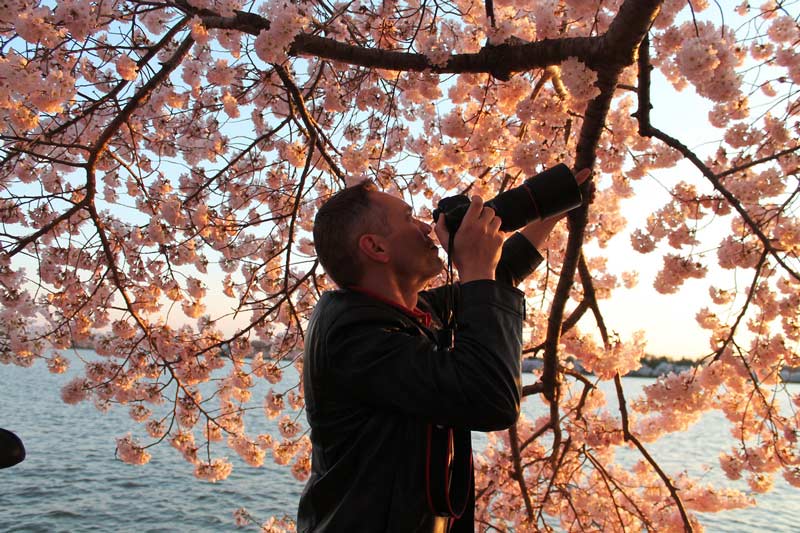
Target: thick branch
{"x": 629, "y": 27}
{"x": 516, "y": 58}
{"x": 519, "y": 474}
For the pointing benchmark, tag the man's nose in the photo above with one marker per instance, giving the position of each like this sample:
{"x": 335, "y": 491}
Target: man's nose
{"x": 426, "y": 228}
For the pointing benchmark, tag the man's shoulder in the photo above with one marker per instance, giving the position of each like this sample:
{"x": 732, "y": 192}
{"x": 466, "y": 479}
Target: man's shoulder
{"x": 342, "y": 305}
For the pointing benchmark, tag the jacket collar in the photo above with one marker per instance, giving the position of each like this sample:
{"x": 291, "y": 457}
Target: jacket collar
{"x": 417, "y": 314}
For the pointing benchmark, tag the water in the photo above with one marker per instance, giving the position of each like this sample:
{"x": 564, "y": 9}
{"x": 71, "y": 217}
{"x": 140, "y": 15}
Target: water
{"x": 71, "y": 482}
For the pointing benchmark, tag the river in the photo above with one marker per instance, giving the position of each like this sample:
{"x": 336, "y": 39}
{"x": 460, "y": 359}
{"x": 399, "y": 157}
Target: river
{"x": 71, "y": 482}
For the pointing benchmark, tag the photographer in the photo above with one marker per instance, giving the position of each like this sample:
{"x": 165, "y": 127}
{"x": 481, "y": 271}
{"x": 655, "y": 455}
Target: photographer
{"x": 390, "y": 399}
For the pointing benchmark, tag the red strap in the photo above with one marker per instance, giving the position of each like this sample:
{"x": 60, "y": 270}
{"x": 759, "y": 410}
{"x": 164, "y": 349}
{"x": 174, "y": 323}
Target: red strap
{"x": 448, "y": 471}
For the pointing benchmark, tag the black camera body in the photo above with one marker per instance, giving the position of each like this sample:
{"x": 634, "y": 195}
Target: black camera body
{"x": 545, "y": 195}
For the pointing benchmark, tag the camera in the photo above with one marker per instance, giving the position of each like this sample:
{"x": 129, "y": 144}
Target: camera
{"x": 548, "y": 194}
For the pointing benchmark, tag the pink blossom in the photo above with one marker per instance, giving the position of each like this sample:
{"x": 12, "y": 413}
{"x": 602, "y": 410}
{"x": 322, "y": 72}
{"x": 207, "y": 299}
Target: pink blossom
{"x": 216, "y": 470}
{"x": 579, "y": 79}
{"x": 760, "y": 482}
{"x": 241, "y": 517}
{"x": 301, "y": 469}
{"x": 284, "y": 451}
{"x": 273, "y": 404}
{"x": 547, "y": 23}
{"x": 123, "y": 330}
{"x": 735, "y": 253}
{"x": 75, "y": 391}
{"x": 129, "y": 451}
{"x": 792, "y": 476}
{"x": 78, "y": 16}
{"x": 231, "y": 41}
{"x": 193, "y": 308}
{"x": 35, "y": 24}
{"x": 183, "y": 441}
{"x": 199, "y": 31}
{"x": 230, "y": 104}
{"x": 139, "y": 412}
{"x": 156, "y": 428}
{"x": 126, "y": 68}
{"x": 268, "y": 370}
{"x": 286, "y": 22}
{"x": 275, "y": 525}
{"x": 296, "y": 400}
{"x": 247, "y": 449}
{"x": 675, "y": 272}
{"x": 783, "y": 29}
{"x": 288, "y": 427}
{"x": 58, "y": 364}
{"x": 731, "y": 465}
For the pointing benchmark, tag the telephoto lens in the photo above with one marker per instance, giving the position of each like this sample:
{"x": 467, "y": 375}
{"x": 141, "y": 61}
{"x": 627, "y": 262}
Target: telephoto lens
{"x": 545, "y": 195}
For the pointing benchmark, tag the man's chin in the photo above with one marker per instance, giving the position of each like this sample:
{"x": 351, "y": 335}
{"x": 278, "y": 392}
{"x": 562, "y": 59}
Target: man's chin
{"x": 437, "y": 268}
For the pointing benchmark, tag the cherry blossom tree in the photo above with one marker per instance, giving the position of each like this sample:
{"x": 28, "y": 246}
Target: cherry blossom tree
{"x": 162, "y": 161}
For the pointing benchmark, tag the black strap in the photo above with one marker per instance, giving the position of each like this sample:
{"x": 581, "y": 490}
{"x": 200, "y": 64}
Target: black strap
{"x": 448, "y": 464}
{"x": 448, "y": 468}
{"x": 446, "y": 335}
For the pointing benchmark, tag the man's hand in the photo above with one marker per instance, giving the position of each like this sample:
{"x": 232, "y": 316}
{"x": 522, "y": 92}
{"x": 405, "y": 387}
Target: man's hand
{"x": 582, "y": 175}
{"x": 478, "y": 242}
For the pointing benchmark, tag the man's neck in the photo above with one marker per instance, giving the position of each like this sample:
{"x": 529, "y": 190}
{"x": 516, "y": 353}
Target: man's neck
{"x": 391, "y": 290}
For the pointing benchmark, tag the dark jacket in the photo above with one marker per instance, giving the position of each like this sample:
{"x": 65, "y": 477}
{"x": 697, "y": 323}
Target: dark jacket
{"x": 374, "y": 379}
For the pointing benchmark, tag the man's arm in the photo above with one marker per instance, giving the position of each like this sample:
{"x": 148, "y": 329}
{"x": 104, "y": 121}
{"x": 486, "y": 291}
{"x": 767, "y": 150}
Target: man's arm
{"x": 475, "y": 385}
{"x": 521, "y": 254}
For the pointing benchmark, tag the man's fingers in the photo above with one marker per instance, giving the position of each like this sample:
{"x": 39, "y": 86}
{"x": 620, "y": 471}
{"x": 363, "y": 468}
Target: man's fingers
{"x": 441, "y": 232}
{"x": 495, "y": 223}
{"x": 474, "y": 210}
{"x": 582, "y": 175}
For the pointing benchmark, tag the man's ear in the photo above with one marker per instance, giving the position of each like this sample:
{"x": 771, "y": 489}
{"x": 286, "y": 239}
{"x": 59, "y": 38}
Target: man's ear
{"x": 372, "y": 246}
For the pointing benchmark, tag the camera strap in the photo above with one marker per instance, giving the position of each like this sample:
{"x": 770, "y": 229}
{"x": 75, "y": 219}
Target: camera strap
{"x": 448, "y": 463}
{"x": 446, "y": 336}
{"x": 448, "y": 470}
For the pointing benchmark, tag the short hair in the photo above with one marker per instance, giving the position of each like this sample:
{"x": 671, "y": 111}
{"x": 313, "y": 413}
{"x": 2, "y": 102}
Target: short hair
{"x": 339, "y": 224}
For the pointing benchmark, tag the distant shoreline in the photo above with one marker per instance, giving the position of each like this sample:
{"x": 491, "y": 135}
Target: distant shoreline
{"x": 657, "y": 368}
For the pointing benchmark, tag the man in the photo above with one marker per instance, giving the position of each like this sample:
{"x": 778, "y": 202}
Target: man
{"x": 389, "y": 403}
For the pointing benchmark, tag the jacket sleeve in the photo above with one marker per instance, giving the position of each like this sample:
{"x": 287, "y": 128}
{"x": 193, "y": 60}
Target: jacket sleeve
{"x": 518, "y": 260}
{"x": 475, "y": 386}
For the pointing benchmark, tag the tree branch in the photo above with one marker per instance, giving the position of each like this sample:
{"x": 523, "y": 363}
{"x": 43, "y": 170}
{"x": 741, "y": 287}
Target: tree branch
{"x": 519, "y": 474}
{"x": 629, "y": 437}
{"x": 513, "y": 58}
{"x": 646, "y": 129}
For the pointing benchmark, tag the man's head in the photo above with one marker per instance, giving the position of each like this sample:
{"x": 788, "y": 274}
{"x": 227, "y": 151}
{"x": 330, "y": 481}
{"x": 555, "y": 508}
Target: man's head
{"x": 360, "y": 231}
